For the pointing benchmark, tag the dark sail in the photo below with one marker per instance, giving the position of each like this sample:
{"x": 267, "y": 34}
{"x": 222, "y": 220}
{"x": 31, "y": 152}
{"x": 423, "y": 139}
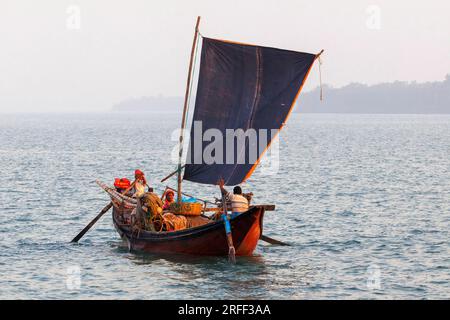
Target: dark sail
{"x": 241, "y": 87}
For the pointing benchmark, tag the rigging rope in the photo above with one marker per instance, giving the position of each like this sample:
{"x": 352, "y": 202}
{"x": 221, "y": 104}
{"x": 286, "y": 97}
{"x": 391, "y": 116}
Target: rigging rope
{"x": 320, "y": 79}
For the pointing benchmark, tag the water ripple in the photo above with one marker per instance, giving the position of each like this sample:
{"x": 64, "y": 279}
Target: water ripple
{"x": 358, "y": 197}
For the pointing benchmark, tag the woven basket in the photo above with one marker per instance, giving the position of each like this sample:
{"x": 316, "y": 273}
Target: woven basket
{"x": 187, "y": 208}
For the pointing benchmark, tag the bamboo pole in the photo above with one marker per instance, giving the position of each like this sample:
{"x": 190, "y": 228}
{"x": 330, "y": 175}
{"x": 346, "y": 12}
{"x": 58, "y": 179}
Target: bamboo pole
{"x": 171, "y": 174}
{"x": 319, "y": 54}
{"x": 183, "y": 121}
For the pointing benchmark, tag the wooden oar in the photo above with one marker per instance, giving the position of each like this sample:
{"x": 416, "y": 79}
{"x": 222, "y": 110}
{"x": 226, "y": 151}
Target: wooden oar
{"x": 86, "y": 229}
{"x": 262, "y": 237}
{"x": 231, "y": 249}
{"x": 273, "y": 241}
{"x": 105, "y": 209}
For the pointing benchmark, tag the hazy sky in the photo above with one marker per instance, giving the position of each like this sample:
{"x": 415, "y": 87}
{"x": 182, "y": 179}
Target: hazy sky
{"x": 58, "y": 55}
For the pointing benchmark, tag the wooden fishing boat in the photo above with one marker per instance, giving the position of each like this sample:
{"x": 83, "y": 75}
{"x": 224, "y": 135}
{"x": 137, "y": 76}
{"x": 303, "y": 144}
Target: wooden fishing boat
{"x": 240, "y": 87}
{"x": 205, "y": 239}
{"x": 208, "y": 239}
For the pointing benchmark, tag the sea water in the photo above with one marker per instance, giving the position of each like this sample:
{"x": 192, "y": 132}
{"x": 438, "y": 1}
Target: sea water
{"x": 364, "y": 201}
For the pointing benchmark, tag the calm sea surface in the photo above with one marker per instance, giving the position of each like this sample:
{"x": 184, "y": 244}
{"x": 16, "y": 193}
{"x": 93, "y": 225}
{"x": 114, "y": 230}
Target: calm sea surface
{"x": 363, "y": 199}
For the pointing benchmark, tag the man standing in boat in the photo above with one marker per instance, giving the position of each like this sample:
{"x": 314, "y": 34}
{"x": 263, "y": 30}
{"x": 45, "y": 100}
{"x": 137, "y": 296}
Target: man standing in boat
{"x": 239, "y": 203}
{"x": 139, "y": 183}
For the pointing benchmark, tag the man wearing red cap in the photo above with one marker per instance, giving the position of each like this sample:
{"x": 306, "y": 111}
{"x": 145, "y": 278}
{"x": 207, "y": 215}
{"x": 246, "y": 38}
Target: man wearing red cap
{"x": 140, "y": 183}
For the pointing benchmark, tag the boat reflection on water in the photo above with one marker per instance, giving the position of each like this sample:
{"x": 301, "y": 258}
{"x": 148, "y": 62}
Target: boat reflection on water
{"x": 261, "y": 276}
{"x": 149, "y": 258}
{"x": 207, "y": 274}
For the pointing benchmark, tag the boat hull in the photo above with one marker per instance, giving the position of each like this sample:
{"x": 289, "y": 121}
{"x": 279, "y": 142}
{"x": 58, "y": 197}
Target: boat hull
{"x": 206, "y": 240}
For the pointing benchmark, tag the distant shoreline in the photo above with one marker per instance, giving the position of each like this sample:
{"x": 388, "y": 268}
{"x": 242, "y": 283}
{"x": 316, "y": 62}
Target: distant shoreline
{"x": 385, "y": 98}
{"x": 356, "y": 98}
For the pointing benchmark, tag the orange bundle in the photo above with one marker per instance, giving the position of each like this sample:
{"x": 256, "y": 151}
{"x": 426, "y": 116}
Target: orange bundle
{"x": 174, "y": 222}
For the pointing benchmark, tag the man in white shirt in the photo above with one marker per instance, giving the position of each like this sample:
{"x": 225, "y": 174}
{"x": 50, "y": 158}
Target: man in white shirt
{"x": 239, "y": 203}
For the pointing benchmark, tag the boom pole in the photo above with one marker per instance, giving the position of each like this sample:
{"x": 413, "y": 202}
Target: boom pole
{"x": 183, "y": 121}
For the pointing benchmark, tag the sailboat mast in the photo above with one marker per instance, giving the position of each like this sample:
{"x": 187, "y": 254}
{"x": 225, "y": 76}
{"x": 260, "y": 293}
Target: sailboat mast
{"x": 183, "y": 121}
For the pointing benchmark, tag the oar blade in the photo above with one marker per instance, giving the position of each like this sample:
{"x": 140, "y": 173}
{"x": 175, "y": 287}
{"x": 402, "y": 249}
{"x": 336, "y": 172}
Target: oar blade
{"x": 273, "y": 241}
{"x": 89, "y": 226}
